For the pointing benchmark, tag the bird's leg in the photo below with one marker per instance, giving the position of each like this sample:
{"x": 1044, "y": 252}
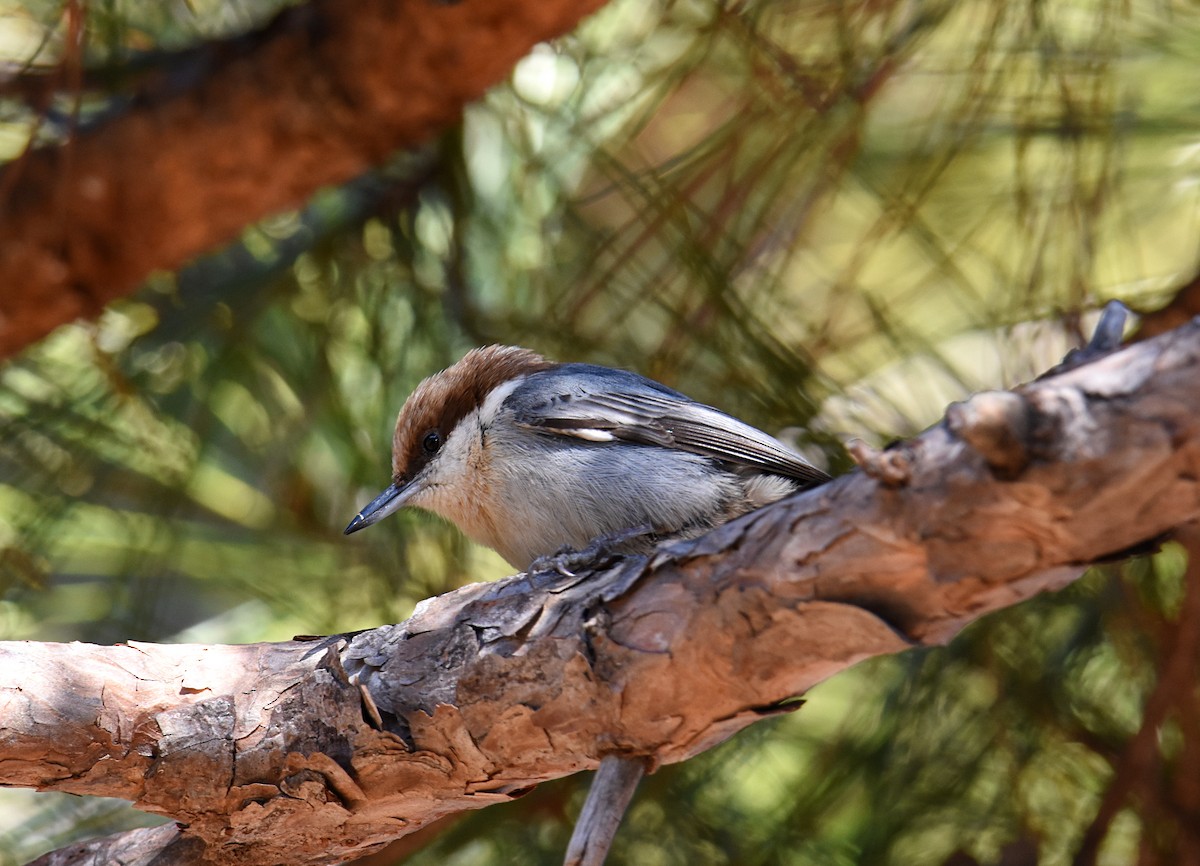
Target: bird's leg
{"x": 599, "y": 551}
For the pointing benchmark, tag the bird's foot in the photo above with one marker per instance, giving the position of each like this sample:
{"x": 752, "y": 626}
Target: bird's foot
{"x": 600, "y": 551}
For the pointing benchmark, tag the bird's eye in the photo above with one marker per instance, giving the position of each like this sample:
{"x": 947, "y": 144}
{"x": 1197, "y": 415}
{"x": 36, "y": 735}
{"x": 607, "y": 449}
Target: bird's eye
{"x": 432, "y": 442}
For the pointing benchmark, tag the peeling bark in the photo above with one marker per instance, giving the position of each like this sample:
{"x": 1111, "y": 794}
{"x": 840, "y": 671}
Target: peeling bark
{"x": 317, "y": 752}
{"x": 325, "y": 92}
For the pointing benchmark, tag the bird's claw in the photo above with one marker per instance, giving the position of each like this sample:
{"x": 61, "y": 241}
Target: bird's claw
{"x": 599, "y": 551}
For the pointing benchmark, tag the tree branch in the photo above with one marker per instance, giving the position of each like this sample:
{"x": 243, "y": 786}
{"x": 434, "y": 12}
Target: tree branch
{"x": 240, "y": 130}
{"x": 321, "y": 751}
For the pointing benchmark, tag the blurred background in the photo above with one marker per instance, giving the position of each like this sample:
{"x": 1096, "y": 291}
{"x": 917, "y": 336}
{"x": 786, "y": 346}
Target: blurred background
{"x": 828, "y": 218}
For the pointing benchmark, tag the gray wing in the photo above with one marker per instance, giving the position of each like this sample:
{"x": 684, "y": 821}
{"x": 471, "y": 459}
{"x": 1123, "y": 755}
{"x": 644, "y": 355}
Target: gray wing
{"x": 615, "y": 405}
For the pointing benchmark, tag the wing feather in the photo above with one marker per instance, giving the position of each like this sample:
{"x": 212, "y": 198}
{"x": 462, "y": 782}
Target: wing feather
{"x": 625, "y": 406}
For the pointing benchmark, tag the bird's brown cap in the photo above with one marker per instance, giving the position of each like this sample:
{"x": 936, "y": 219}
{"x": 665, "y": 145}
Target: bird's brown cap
{"x": 434, "y": 409}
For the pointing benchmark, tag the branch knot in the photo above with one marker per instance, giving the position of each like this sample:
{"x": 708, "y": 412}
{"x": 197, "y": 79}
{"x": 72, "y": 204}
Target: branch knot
{"x": 996, "y": 425}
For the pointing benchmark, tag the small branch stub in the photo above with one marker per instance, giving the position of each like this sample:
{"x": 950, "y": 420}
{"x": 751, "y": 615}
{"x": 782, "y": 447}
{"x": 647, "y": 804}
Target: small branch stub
{"x": 891, "y": 467}
{"x": 996, "y": 424}
{"x": 1107, "y": 337}
{"x": 612, "y": 789}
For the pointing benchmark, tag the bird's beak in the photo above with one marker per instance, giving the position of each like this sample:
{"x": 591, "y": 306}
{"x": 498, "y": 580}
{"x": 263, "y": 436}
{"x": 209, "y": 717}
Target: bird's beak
{"x": 392, "y": 499}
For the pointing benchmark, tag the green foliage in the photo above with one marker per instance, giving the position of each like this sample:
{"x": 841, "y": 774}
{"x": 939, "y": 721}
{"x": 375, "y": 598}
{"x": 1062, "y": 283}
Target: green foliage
{"x": 830, "y": 219}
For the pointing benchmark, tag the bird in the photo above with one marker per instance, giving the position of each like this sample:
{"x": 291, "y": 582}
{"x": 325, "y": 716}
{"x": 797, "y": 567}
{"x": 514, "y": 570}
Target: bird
{"x": 532, "y": 457}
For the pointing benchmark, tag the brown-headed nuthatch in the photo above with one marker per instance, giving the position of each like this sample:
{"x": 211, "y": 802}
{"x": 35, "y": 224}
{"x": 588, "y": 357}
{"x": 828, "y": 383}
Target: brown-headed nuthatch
{"x": 529, "y": 457}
